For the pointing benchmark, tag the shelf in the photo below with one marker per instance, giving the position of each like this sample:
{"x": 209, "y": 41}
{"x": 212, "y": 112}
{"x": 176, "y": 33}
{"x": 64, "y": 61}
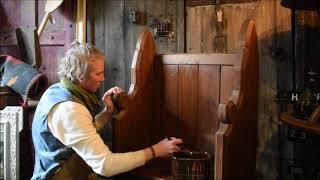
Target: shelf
{"x": 289, "y": 119}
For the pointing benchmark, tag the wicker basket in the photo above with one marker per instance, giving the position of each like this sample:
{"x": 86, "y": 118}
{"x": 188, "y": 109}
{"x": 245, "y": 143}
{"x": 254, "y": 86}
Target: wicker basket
{"x": 188, "y": 165}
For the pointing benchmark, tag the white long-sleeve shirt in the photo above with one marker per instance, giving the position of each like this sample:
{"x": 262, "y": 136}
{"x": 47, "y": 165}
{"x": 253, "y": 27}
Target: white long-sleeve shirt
{"x": 71, "y": 123}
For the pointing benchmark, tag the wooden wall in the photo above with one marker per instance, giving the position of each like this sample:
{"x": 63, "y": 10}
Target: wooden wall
{"x": 207, "y": 31}
{"x": 195, "y": 29}
{"x": 116, "y": 35}
{"x": 54, "y": 39}
{"x": 213, "y": 34}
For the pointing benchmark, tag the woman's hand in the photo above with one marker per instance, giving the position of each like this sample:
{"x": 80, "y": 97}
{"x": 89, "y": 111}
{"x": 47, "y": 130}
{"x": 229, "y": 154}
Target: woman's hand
{"x": 107, "y": 98}
{"x": 167, "y": 146}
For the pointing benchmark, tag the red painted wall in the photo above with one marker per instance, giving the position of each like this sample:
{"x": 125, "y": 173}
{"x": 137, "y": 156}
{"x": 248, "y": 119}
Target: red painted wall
{"x": 54, "y": 39}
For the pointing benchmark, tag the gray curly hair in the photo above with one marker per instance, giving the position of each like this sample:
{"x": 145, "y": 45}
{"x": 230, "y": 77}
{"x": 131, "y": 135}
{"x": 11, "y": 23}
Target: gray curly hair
{"x": 76, "y": 61}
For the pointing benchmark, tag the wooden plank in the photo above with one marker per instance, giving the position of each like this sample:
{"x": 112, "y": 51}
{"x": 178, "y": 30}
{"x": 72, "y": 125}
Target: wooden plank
{"x": 242, "y": 11}
{"x": 208, "y": 30}
{"x": 28, "y": 19}
{"x": 114, "y": 44}
{"x": 227, "y": 83}
{"x": 108, "y": 24}
{"x": 99, "y": 20}
{"x": 10, "y": 18}
{"x": 193, "y": 31}
{"x": 208, "y": 101}
{"x": 171, "y": 11}
{"x": 69, "y": 23}
{"x": 10, "y": 14}
{"x": 169, "y": 108}
{"x": 49, "y": 63}
{"x": 221, "y": 59}
{"x": 201, "y": 29}
{"x": 53, "y": 38}
{"x": 180, "y": 27}
{"x": 11, "y": 50}
{"x": 99, "y": 37}
{"x": 158, "y": 107}
{"x": 8, "y": 38}
{"x": 175, "y": 13}
{"x": 188, "y": 104}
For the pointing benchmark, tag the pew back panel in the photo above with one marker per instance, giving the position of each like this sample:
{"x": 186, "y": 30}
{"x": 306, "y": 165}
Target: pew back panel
{"x": 188, "y": 91}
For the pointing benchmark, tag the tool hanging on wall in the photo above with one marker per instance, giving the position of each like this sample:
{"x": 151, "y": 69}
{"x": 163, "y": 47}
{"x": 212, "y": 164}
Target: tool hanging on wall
{"x": 220, "y": 42}
{"x": 50, "y": 6}
{"x": 29, "y": 46}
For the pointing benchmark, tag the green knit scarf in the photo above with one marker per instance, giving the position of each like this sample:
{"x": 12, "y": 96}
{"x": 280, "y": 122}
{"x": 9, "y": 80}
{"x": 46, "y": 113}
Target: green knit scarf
{"x": 90, "y": 100}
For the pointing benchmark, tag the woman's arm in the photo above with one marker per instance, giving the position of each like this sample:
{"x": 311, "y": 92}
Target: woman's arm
{"x": 106, "y": 114}
{"x": 71, "y": 123}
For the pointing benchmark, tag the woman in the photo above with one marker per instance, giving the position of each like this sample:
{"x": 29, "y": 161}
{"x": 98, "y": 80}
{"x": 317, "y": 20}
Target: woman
{"x": 65, "y": 124}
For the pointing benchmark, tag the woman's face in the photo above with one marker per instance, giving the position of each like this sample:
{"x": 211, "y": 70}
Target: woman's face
{"x": 95, "y": 78}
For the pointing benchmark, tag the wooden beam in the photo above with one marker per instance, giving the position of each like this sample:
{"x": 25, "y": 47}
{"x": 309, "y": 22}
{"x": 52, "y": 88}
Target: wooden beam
{"x": 81, "y": 21}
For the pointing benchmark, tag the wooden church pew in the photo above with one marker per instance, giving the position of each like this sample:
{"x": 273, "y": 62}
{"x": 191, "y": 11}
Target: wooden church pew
{"x": 209, "y": 100}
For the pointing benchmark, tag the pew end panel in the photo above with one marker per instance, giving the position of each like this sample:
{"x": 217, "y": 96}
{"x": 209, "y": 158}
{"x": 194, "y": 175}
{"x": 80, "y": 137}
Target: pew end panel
{"x": 236, "y": 139}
